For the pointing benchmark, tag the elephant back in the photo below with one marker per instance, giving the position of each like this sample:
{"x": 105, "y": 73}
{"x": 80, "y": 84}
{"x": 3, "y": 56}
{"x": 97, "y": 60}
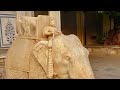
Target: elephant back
{"x": 65, "y": 43}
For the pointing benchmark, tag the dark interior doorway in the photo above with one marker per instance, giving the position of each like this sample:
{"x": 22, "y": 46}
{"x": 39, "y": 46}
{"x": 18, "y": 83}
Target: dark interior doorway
{"x": 93, "y": 28}
{"x": 68, "y": 22}
{"x": 40, "y": 13}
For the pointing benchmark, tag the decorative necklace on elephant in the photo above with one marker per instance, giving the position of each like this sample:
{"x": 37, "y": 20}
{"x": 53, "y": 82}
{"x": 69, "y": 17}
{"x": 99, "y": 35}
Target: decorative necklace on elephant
{"x": 50, "y": 58}
{"x": 51, "y": 73}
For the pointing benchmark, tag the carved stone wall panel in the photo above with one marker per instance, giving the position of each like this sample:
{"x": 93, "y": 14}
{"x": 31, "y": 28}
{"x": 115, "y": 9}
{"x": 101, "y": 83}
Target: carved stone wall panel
{"x": 7, "y": 29}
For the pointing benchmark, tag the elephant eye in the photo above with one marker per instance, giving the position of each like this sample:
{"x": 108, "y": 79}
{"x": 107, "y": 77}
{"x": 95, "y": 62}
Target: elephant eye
{"x": 68, "y": 58}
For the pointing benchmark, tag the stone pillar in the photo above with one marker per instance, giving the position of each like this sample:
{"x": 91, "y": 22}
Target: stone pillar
{"x": 24, "y": 13}
{"x": 56, "y": 15}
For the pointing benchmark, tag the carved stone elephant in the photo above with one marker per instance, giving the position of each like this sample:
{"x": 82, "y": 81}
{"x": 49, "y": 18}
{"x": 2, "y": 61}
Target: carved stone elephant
{"x": 28, "y": 57}
{"x": 70, "y": 58}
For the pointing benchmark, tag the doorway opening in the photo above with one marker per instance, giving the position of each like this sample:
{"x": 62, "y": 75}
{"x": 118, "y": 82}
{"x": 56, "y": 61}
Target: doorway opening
{"x": 68, "y": 22}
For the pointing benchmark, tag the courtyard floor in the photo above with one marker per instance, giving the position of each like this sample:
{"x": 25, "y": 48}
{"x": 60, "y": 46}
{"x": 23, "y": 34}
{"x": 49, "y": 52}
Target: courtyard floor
{"x": 105, "y": 67}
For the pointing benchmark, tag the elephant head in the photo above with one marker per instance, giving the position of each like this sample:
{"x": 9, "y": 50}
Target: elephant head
{"x": 71, "y": 58}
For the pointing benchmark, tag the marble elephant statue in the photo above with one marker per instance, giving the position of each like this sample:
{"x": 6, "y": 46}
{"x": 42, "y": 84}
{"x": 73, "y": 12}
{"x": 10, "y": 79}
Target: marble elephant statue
{"x": 70, "y": 58}
{"x": 53, "y": 56}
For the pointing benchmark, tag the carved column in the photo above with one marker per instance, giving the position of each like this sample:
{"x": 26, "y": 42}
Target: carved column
{"x": 56, "y": 15}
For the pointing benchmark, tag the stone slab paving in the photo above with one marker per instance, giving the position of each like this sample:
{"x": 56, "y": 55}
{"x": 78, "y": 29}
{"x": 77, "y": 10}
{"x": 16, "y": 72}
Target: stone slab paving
{"x": 105, "y": 67}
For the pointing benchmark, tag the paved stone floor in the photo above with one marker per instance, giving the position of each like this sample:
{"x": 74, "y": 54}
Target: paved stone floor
{"x": 105, "y": 67}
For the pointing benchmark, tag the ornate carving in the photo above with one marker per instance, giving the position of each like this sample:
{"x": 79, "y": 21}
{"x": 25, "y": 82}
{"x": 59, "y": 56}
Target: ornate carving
{"x": 9, "y": 32}
{"x": 26, "y": 27}
{"x": 65, "y": 59}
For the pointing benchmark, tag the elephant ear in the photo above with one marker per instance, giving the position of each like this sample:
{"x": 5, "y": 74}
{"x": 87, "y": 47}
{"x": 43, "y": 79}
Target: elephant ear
{"x": 40, "y": 52}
